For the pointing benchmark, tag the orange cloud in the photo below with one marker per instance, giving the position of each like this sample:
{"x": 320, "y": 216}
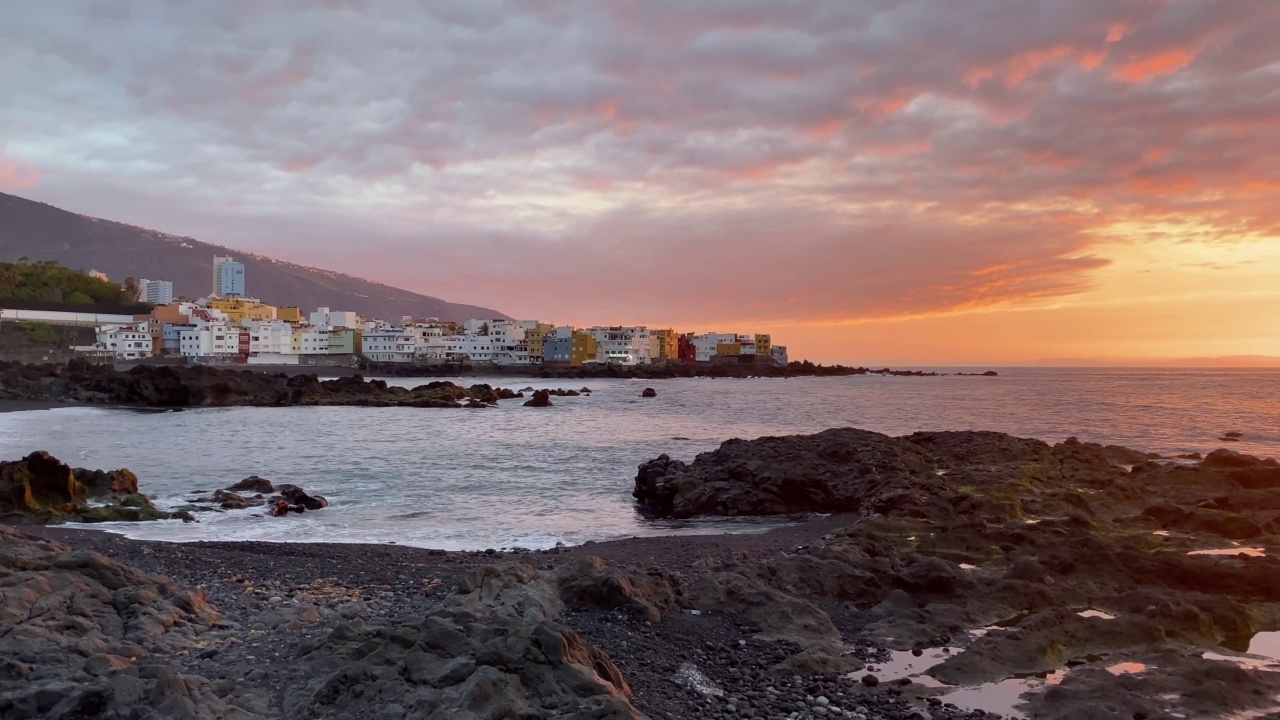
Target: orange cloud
{"x": 1019, "y": 68}
{"x": 1153, "y": 66}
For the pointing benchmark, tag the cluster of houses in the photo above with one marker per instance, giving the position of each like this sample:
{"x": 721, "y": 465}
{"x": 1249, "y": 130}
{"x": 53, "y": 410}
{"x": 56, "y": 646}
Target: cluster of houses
{"x": 229, "y": 327}
{"x": 529, "y": 342}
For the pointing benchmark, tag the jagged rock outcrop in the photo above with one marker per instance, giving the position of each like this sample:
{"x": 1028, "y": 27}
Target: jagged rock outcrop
{"x": 850, "y": 470}
{"x": 492, "y": 651}
{"x": 843, "y": 470}
{"x": 590, "y": 582}
{"x": 41, "y": 489}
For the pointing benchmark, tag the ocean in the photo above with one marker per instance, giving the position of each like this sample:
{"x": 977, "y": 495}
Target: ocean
{"x": 525, "y": 477}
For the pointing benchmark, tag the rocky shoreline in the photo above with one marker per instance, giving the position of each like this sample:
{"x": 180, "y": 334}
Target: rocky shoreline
{"x": 40, "y": 386}
{"x": 1115, "y": 584}
{"x": 151, "y": 386}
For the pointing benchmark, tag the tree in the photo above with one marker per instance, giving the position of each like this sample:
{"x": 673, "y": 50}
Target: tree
{"x": 131, "y": 289}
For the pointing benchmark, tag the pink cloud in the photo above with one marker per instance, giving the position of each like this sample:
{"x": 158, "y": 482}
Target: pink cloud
{"x": 17, "y": 175}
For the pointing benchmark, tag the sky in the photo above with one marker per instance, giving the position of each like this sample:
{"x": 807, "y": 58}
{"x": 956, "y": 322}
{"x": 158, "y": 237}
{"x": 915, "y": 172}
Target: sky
{"x": 871, "y": 181}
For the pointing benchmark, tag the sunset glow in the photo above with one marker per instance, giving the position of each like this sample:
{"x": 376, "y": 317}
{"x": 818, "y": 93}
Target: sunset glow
{"x": 893, "y": 181}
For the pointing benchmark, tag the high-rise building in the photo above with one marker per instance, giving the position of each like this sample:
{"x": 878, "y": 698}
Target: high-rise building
{"x": 218, "y": 262}
{"x": 228, "y": 277}
{"x": 156, "y": 292}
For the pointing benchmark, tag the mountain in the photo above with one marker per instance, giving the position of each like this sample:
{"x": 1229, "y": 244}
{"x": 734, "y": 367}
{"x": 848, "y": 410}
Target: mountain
{"x": 42, "y": 232}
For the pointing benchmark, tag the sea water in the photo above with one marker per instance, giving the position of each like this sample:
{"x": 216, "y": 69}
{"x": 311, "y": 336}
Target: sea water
{"x": 528, "y": 477}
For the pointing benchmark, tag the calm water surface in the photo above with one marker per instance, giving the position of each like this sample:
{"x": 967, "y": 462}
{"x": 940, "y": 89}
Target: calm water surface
{"x": 516, "y": 476}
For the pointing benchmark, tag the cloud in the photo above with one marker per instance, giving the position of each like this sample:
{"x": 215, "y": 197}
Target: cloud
{"x": 780, "y": 160}
{"x": 15, "y": 175}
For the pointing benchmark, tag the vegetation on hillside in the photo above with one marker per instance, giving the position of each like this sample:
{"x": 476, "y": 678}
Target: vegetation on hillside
{"x": 39, "y": 332}
{"x": 46, "y": 281}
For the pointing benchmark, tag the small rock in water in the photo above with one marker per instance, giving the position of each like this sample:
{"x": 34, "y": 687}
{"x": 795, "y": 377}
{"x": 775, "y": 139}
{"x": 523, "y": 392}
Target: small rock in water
{"x": 870, "y": 680}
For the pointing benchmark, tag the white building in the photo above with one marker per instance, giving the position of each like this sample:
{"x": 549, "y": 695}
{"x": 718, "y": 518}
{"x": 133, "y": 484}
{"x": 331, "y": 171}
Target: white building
{"x": 389, "y": 343}
{"x": 623, "y": 345}
{"x": 780, "y": 354}
{"x": 209, "y": 340}
{"x": 98, "y": 274}
{"x": 126, "y": 342}
{"x": 705, "y": 344}
{"x": 482, "y": 349}
{"x": 311, "y": 341}
{"x": 272, "y": 337}
{"x": 156, "y": 292}
{"x": 324, "y": 317}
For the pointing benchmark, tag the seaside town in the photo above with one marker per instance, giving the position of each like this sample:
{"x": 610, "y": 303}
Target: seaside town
{"x": 231, "y": 327}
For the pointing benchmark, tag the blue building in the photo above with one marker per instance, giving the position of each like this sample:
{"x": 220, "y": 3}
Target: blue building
{"x": 172, "y": 337}
{"x": 230, "y": 279}
{"x": 557, "y": 350}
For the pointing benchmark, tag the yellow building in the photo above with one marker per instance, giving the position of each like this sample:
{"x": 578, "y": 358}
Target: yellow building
{"x": 535, "y": 338}
{"x": 584, "y": 348}
{"x": 764, "y": 345}
{"x": 728, "y": 349}
{"x": 666, "y": 345}
{"x": 291, "y": 315}
{"x": 239, "y": 309}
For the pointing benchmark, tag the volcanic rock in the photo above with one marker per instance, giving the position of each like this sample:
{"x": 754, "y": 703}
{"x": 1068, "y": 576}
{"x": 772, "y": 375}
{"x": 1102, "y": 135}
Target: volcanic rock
{"x": 41, "y": 489}
{"x": 234, "y": 501}
{"x": 541, "y": 398}
{"x": 295, "y": 499}
{"x": 589, "y": 582}
{"x": 80, "y": 630}
{"x": 253, "y": 484}
{"x": 100, "y": 483}
{"x": 649, "y": 393}
{"x": 495, "y": 651}
{"x": 842, "y": 470}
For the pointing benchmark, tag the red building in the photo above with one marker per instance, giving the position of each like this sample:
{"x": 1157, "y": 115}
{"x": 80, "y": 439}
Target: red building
{"x": 685, "y": 349}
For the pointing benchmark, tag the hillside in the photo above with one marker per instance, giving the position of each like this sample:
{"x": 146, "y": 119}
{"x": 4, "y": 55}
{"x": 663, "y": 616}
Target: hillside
{"x": 47, "y": 282}
{"x": 43, "y": 232}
